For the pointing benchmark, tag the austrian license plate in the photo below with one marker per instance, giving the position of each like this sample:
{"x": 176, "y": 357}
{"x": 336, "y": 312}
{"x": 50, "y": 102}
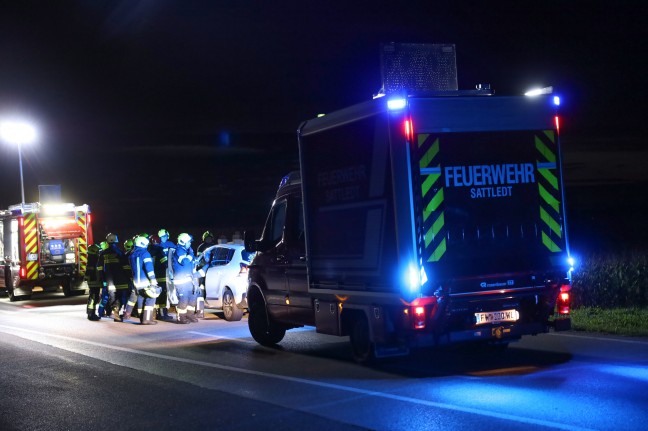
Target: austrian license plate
{"x": 497, "y": 316}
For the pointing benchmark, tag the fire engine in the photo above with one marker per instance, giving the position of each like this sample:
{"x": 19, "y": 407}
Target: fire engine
{"x": 44, "y": 247}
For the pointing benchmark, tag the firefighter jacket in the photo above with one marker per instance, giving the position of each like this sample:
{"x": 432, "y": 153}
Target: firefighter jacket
{"x": 160, "y": 262}
{"x": 91, "y": 275}
{"x": 166, "y": 245}
{"x": 142, "y": 264}
{"x": 113, "y": 269}
{"x": 183, "y": 265}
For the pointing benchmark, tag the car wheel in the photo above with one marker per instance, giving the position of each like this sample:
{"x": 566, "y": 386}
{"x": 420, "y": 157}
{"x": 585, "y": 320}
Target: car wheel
{"x": 263, "y": 330}
{"x": 231, "y": 312}
{"x": 361, "y": 346}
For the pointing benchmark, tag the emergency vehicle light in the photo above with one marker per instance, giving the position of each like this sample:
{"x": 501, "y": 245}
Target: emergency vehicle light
{"x": 556, "y": 100}
{"x": 57, "y": 209}
{"x": 539, "y": 91}
{"x": 396, "y": 104}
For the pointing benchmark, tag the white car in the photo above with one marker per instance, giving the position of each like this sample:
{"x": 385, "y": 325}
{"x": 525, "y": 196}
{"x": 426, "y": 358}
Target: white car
{"x": 226, "y": 278}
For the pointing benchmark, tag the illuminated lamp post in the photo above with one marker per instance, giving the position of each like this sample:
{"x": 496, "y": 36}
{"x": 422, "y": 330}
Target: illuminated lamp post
{"x": 19, "y": 133}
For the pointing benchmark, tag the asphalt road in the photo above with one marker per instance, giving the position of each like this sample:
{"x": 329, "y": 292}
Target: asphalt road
{"x": 60, "y": 371}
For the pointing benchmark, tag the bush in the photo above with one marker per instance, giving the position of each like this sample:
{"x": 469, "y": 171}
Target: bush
{"x": 611, "y": 280}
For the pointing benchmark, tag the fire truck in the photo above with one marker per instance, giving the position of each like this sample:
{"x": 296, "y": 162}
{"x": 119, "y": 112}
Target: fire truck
{"x": 44, "y": 247}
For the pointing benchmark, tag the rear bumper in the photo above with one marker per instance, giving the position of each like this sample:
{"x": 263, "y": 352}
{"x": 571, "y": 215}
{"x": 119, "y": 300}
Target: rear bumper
{"x": 491, "y": 333}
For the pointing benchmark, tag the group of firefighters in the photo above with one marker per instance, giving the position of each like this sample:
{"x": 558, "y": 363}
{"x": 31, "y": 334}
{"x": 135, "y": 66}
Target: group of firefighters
{"x": 132, "y": 282}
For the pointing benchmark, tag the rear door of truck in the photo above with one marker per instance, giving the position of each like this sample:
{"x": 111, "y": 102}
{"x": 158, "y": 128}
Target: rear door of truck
{"x": 487, "y": 191}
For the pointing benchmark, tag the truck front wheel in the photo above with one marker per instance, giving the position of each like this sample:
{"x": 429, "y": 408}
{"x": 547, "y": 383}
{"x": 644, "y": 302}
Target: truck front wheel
{"x": 361, "y": 346}
{"x": 263, "y": 329}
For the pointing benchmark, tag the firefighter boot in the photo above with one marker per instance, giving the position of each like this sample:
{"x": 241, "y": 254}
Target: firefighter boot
{"x": 182, "y": 318}
{"x": 92, "y": 316}
{"x": 146, "y": 318}
{"x": 116, "y": 316}
{"x": 191, "y": 316}
{"x": 163, "y": 314}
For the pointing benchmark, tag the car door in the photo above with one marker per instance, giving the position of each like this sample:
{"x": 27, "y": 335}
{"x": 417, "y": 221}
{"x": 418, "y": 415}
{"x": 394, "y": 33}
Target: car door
{"x": 301, "y": 304}
{"x": 272, "y": 261}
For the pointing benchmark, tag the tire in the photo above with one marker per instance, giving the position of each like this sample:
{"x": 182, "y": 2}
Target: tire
{"x": 263, "y": 330}
{"x": 69, "y": 291}
{"x": 362, "y": 348}
{"x": 11, "y": 284}
{"x": 231, "y": 312}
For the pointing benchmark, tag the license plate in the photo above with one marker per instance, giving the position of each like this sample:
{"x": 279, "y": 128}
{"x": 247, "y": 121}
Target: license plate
{"x": 497, "y": 316}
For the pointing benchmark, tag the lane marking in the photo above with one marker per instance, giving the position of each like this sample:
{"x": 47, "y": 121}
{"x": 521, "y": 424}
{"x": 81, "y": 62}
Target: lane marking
{"x": 221, "y": 337}
{"x": 590, "y": 337}
{"x": 351, "y": 389}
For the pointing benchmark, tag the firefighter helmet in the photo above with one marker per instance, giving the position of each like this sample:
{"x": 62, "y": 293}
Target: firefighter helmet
{"x": 128, "y": 245}
{"x": 184, "y": 239}
{"x": 141, "y": 241}
{"x": 207, "y": 234}
{"x": 163, "y": 232}
{"x": 155, "y": 239}
{"x": 111, "y": 238}
{"x": 145, "y": 235}
{"x": 94, "y": 249}
{"x": 103, "y": 245}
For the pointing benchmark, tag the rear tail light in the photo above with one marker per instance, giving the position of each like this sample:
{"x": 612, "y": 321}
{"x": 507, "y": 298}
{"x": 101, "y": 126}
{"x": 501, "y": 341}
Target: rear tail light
{"x": 564, "y": 300}
{"x": 23, "y": 272}
{"x": 419, "y": 317}
{"x": 419, "y": 312}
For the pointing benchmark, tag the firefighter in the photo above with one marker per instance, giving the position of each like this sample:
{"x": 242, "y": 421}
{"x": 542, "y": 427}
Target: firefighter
{"x": 208, "y": 241}
{"x": 114, "y": 271}
{"x": 144, "y": 280}
{"x": 160, "y": 264}
{"x": 104, "y": 291}
{"x": 183, "y": 279}
{"x": 94, "y": 284}
{"x": 129, "y": 309}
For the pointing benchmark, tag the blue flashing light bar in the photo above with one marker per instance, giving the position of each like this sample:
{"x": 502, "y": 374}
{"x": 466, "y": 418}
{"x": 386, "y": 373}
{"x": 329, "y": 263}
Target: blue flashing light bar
{"x": 396, "y": 104}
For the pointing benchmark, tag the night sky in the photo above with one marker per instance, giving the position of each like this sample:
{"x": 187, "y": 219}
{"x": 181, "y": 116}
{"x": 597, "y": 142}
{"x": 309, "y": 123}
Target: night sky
{"x": 182, "y": 114}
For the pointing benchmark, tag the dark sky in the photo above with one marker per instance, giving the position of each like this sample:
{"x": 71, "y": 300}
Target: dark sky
{"x": 183, "y": 113}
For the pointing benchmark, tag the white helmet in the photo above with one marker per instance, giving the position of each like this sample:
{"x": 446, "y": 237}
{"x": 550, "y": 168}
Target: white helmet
{"x": 141, "y": 241}
{"x": 111, "y": 238}
{"x": 184, "y": 239}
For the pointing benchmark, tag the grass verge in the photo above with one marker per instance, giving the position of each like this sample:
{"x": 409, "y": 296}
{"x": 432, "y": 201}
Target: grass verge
{"x": 632, "y": 322}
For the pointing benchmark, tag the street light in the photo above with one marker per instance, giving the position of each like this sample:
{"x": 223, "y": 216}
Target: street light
{"x": 19, "y": 133}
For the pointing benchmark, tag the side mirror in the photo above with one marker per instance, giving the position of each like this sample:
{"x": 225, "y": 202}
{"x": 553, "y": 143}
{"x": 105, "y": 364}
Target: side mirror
{"x": 249, "y": 241}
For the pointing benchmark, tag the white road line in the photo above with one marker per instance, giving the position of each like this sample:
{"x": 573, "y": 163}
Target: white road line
{"x": 221, "y": 337}
{"x": 417, "y": 401}
{"x": 593, "y": 337}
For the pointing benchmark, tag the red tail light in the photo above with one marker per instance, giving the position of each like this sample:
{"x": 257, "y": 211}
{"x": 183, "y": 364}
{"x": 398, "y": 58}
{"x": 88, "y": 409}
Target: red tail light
{"x": 409, "y": 130}
{"x": 23, "y": 272}
{"x": 419, "y": 317}
{"x": 420, "y": 312}
{"x": 564, "y": 300}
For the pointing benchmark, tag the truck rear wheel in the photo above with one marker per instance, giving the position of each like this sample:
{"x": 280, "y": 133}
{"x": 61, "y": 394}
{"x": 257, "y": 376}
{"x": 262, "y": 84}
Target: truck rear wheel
{"x": 361, "y": 346}
{"x": 263, "y": 329}
{"x": 72, "y": 289}
{"x": 11, "y": 285}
